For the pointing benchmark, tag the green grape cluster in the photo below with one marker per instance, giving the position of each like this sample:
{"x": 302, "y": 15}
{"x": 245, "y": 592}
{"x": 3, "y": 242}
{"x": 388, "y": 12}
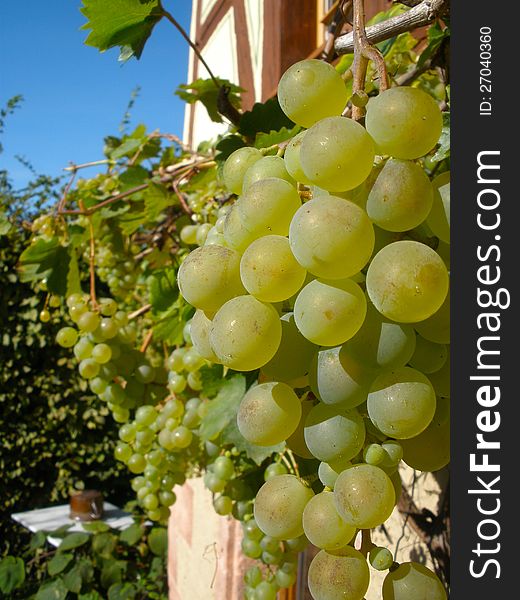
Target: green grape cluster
{"x": 338, "y": 298}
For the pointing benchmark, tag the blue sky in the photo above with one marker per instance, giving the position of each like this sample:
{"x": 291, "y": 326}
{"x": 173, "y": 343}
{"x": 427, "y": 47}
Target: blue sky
{"x": 75, "y": 95}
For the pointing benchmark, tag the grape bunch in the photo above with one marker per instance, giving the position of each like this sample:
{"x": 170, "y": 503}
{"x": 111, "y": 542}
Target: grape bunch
{"x": 329, "y": 277}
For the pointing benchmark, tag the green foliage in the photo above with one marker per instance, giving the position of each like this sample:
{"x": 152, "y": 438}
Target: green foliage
{"x": 103, "y": 565}
{"x": 205, "y": 91}
{"x": 223, "y": 408}
{"x": 124, "y": 23}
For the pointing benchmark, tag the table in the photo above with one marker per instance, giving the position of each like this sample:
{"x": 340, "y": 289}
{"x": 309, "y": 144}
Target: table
{"x": 47, "y": 519}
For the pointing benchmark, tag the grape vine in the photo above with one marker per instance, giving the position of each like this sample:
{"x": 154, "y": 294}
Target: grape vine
{"x": 271, "y": 311}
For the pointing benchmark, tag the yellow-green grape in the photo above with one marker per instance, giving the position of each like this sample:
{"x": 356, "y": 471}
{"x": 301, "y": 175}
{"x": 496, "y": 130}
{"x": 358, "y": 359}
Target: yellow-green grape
{"x": 296, "y": 441}
{"x": 428, "y": 357}
{"x": 67, "y": 337}
{"x": 439, "y": 218}
{"x": 199, "y": 332}
{"x": 337, "y": 154}
{"x": 279, "y": 506}
{"x": 209, "y": 276}
{"x": 328, "y": 313}
{"x": 54, "y": 301}
{"x": 336, "y": 378}
{"x": 236, "y": 165}
{"x": 328, "y": 473}
{"x": 441, "y": 378}
{"x": 322, "y": 524}
{"x": 245, "y": 333}
{"x": 292, "y": 159}
{"x": 45, "y": 316}
{"x": 404, "y": 122}
{"x": 364, "y": 496}
{"x": 430, "y": 450}
{"x": 202, "y": 233}
{"x": 341, "y": 575}
{"x": 412, "y": 580}
{"x": 269, "y": 413}
{"x": 381, "y": 344}
{"x": 310, "y": 90}
{"x": 436, "y": 328}
{"x": 401, "y": 197}
{"x": 268, "y": 166}
{"x": 332, "y": 433}
{"x": 89, "y": 321}
{"x": 189, "y": 234}
{"x": 380, "y": 558}
{"x": 407, "y": 281}
{"x": 235, "y": 232}
{"x": 215, "y": 238}
{"x": 269, "y": 270}
{"x": 331, "y": 237}
{"x": 102, "y": 353}
{"x": 293, "y": 357}
{"x": 401, "y": 403}
{"x": 267, "y": 207}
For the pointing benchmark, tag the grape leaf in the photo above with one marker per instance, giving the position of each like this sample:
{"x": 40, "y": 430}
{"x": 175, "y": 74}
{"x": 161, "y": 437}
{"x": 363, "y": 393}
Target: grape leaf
{"x": 265, "y": 140}
{"x": 122, "y": 591}
{"x": 212, "y": 379}
{"x": 73, "y": 540}
{"x": 52, "y": 590}
{"x": 264, "y": 117}
{"x": 12, "y": 574}
{"x": 132, "y": 534}
{"x": 205, "y": 91}
{"x": 223, "y": 408}
{"x": 163, "y": 289}
{"x": 59, "y": 562}
{"x": 158, "y": 541}
{"x": 47, "y": 259}
{"x": 124, "y": 23}
{"x": 156, "y": 199}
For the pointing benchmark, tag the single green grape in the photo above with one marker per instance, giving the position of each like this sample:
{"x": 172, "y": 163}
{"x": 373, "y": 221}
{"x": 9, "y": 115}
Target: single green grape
{"x": 430, "y": 450}
{"x": 199, "y": 331}
{"x": 223, "y": 467}
{"x": 292, "y": 159}
{"x": 407, "y": 281}
{"x": 401, "y": 403}
{"x": 310, "y": 90}
{"x": 332, "y": 433}
{"x": 269, "y": 413}
{"x": 236, "y": 166}
{"x": 364, "y": 496}
{"x": 337, "y": 154}
{"x": 276, "y": 468}
{"x": 323, "y": 525}
{"x": 269, "y": 270}
{"x": 412, "y": 580}
{"x": 268, "y": 166}
{"x": 380, "y": 558}
{"x": 88, "y": 321}
{"x": 339, "y": 575}
{"x": 329, "y": 312}
{"x": 67, "y": 337}
{"x": 331, "y": 237}
{"x": 102, "y": 353}
{"x": 267, "y": 207}
{"x": 245, "y": 333}
{"x": 209, "y": 276}
{"x": 404, "y": 122}
{"x": 401, "y": 197}
{"x": 279, "y": 506}
{"x": 336, "y": 378}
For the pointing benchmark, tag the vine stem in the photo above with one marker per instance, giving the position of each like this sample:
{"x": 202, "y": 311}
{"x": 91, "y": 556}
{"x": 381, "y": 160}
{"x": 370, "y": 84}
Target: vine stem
{"x": 363, "y": 52}
{"x": 146, "y": 342}
{"x": 140, "y": 311}
{"x": 366, "y": 542}
{"x": 92, "y": 258}
{"x": 293, "y": 461}
{"x": 73, "y": 167}
{"x": 192, "y": 45}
